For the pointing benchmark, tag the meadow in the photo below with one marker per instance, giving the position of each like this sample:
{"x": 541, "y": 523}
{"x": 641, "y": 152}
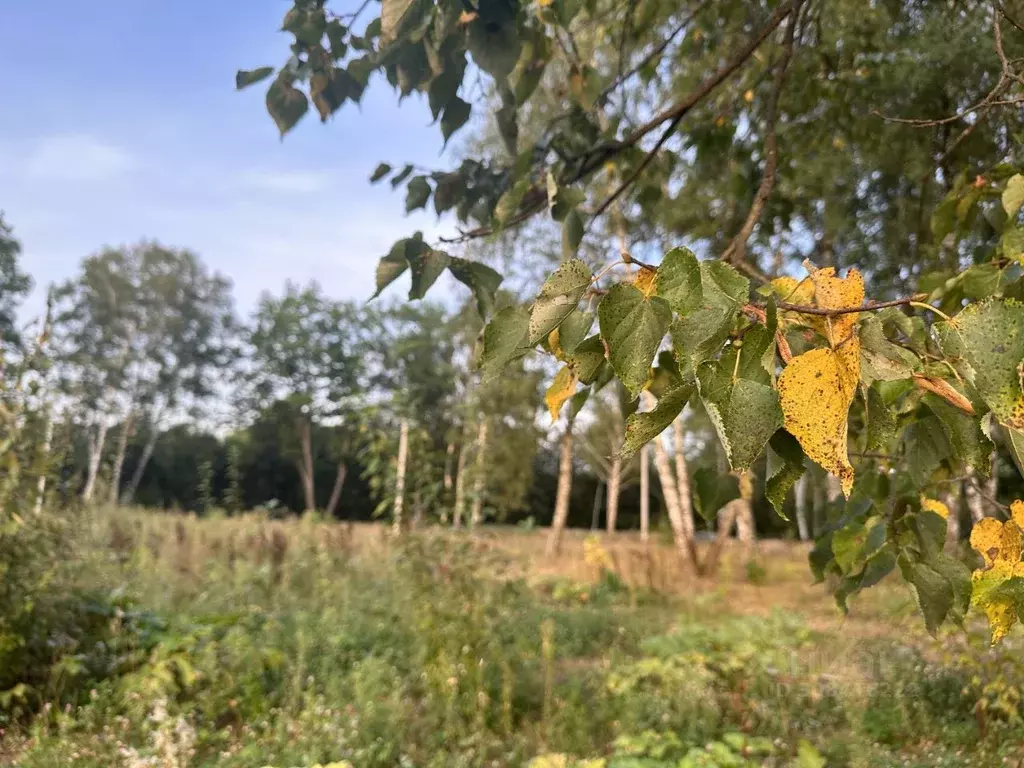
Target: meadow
{"x": 245, "y": 642}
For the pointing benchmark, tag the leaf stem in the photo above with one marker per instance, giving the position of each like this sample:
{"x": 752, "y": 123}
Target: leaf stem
{"x": 923, "y": 305}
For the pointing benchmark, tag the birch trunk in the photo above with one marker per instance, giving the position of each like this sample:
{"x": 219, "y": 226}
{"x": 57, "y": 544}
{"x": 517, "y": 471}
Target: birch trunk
{"x": 800, "y": 493}
{"x": 339, "y": 483}
{"x": 682, "y": 480}
{"x": 122, "y": 447}
{"x": 645, "y": 494}
{"x": 972, "y": 496}
{"x": 951, "y": 499}
{"x": 670, "y": 492}
{"x": 595, "y": 513}
{"x": 460, "y": 488}
{"x": 305, "y": 464}
{"x": 44, "y": 462}
{"x": 614, "y": 488}
{"x": 562, "y": 496}
{"x": 403, "y": 455}
{"x": 479, "y": 467}
{"x": 147, "y": 453}
{"x": 96, "y": 443}
{"x": 833, "y": 487}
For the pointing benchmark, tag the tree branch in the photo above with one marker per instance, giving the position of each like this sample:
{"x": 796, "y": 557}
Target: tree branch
{"x": 870, "y": 306}
{"x": 736, "y": 252}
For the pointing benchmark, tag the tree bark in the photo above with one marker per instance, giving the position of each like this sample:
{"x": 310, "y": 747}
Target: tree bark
{"x": 951, "y": 498}
{"x": 403, "y": 455}
{"x": 122, "y": 447}
{"x": 683, "y": 480}
{"x": 614, "y": 488}
{"x": 44, "y": 461}
{"x": 975, "y": 504}
{"x": 800, "y": 493}
{"x": 746, "y": 530}
{"x": 339, "y": 483}
{"x": 595, "y": 513}
{"x": 460, "y": 488}
{"x": 833, "y": 487}
{"x": 96, "y": 443}
{"x": 305, "y": 464}
{"x": 645, "y": 494}
{"x": 479, "y": 468}
{"x": 147, "y": 453}
{"x": 564, "y": 492}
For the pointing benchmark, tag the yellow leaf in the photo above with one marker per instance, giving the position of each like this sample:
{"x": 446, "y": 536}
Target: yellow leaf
{"x": 646, "y": 281}
{"x": 555, "y": 346}
{"x": 562, "y": 388}
{"x": 816, "y": 391}
{"x": 793, "y": 291}
{"x": 1001, "y": 545}
{"x": 936, "y": 506}
{"x": 831, "y": 292}
{"x": 748, "y": 96}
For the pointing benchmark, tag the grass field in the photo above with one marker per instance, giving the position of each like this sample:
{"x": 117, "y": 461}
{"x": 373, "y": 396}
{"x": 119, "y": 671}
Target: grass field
{"x": 247, "y": 642}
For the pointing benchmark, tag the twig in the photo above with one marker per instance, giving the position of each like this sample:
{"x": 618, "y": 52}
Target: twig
{"x": 736, "y": 252}
{"x": 870, "y": 306}
{"x": 656, "y": 51}
{"x": 984, "y": 496}
{"x": 989, "y": 100}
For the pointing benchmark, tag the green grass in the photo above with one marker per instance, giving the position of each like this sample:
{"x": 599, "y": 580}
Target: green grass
{"x": 248, "y": 644}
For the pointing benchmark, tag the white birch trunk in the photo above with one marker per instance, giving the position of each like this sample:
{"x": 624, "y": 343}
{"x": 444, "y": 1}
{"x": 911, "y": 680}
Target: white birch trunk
{"x": 683, "y": 480}
{"x": 44, "y": 462}
{"x": 460, "y": 488}
{"x": 479, "y": 467}
{"x": 563, "y": 493}
{"x": 614, "y": 488}
{"x": 403, "y": 455}
{"x": 122, "y": 447}
{"x": 96, "y": 443}
{"x": 800, "y": 493}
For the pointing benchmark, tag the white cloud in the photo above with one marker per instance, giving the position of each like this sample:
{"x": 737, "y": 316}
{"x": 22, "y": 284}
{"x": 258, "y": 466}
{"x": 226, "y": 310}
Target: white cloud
{"x": 76, "y": 157}
{"x": 285, "y": 181}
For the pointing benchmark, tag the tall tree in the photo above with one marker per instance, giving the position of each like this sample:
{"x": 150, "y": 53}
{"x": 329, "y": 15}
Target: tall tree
{"x": 14, "y": 284}
{"x": 306, "y": 351}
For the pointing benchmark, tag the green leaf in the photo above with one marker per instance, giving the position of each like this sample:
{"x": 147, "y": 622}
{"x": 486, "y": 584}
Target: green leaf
{"x": 986, "y": 340}
{"x": 643, "y": 427}
{"x": 712, "y": 491}
{"x": 959, "y": 577}
{"x": 286, "y": 104}
{"x": 401, "y": 176}
{"x": 246, "y": 77}
{"x": 393, "y": 18}
{"x": 1015, "y": 441}
{"x": 390, "y": 267}
{"x": 785, "y": 468}
{"x": 1013, "y": 195}
{"x": 1012, "y": 242}
{"x": 969, "y": 442}
{"x": 504, "y": 337}
{"x": 558, "y": 297}
{"x": 380, "y": 172}
{"x": 574, "y": 329}
{"x": 679, "y": 281}
{"x": 633, "y": 326}
{"x": 588, "y": 359}
{"x": 456, "y": 113}
{"x": 578, "y": 401}
{"x": 480, "y": 279}
{"x": 509, "y": 202}
{"x": 426, "y": 265}
{"x": 572, "y": 234}
{"x": 880, "y": 359}
{"x": 981, "y": 281}
{"x": 745, "y": 414}
{"x": 944, "y": 218}
{"x": 881, "y": 420}
{"x": 562, "y": 200}
{"x": 926, "y": 447}
{"x": 417, "y": 193}
{"x": 699, "y": 336}
{"x": 934, "y": 593}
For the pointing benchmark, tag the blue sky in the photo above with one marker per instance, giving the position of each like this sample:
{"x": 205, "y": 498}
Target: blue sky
{"x": 120, "y": 122}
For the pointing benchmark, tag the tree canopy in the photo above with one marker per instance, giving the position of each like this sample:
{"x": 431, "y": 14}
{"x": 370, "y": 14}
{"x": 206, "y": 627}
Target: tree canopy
{"x": 778, "y": 140}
